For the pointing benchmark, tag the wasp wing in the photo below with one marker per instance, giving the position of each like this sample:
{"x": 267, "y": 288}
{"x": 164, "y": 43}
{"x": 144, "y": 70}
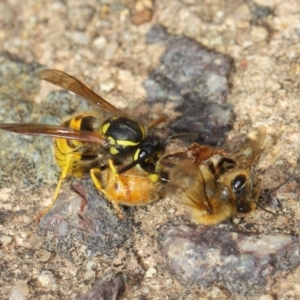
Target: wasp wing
{"x": 72, "y": 84}
{"x": 56, "y": 132}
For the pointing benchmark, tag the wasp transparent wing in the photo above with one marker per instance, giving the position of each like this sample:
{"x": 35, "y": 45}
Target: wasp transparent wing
{"x": 72, "y": 84}
{"x": 56, "y": 132}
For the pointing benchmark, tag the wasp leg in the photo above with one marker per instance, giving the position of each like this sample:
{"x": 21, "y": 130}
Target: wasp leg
{"x": 65, "y": 172}
{"x": 96, "y": 177}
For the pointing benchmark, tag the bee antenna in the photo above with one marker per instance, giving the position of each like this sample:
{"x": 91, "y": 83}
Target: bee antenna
{"x": 261, "y": 207}
{"x": 252, "y": 177}
{"x": 251, "y": 187}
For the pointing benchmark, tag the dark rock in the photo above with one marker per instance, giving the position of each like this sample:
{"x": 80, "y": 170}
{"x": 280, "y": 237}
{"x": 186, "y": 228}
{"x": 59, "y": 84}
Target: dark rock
{"x": 82, "y": 221}
{"x": 196, "y": 80}
{"x": 105, "y": 289}
{"x": 243, "y": 263}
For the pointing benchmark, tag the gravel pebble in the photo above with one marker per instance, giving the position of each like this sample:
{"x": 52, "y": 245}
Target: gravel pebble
{"x": 20, "y": 291}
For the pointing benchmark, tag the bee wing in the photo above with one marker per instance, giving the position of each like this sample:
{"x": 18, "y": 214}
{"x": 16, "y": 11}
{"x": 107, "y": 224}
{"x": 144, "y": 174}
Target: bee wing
{"x": 56, "y": 132}
{"x": 72, "y": 84}
{"x": 188, "y": 177}
{"x": 250, "y": 148}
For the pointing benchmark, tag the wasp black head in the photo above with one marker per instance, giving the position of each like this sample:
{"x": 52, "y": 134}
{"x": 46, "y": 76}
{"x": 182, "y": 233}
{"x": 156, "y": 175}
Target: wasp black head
{"x": 148, "y": 153}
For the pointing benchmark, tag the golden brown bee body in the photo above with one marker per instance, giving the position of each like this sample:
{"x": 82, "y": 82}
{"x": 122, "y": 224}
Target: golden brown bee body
{"x": 208, "y": 201}
{"x": 130, "y": 188}
{"x": 221, "y": 186}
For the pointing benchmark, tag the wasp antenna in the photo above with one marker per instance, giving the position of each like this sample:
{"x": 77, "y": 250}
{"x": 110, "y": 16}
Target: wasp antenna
{"x": 134, "y": 163}
{"x": 185, "y": 135}
{"x": 156, "y": 122}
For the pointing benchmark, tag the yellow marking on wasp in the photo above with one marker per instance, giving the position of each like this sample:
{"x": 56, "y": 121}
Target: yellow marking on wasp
{"x": 105, "y": 127}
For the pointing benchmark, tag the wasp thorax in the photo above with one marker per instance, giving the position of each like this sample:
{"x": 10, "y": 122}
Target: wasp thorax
{"x": 123, "y": 133}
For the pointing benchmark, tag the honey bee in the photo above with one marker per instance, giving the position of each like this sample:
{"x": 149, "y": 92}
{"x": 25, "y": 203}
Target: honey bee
{"x": 220, "y": 186}
{"x": 86, "y": 141}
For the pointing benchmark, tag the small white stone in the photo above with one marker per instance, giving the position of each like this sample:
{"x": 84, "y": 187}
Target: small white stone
{"x": 100, "y": 42}
{"x": 5, "y": 193}
{"x": 90, "y": 264}
{"x": 272, "y": 85}
{"x": 46, "y": 278}
{"x": 259, "y": 33}
{"x": 22, "y": 241}
{"x": 145, "y": 290}
{"x": 216, "y": 292}
{"x": 89, "y": 275}
{"x": 220, "y": 14}
{"x": 142, "y": 4}
{"x": 236, "y": 221}
{"x": 171, "y": 211}
{"x": 279, "y": 163}
{"x": 147, "y": 3}
{"x": 79, "y": 37}
{"x": 150, "y": 272}
{"x": 43, "y": 255}
{"x": 265, "y": 244}
{"x": 20, "y": 291}
{"x": 110, "y": 50}
{"x": 139, "y": 6}
{"x": 5, "y": 240}
{"x": 107, "y": 86}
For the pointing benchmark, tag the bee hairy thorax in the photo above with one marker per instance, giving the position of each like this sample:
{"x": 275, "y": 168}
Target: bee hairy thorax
{"x": 215, "y": 185}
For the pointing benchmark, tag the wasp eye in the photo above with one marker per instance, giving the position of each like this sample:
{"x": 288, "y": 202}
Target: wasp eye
{"x": 143, "y": 153}
{"x": 238, "y": 184}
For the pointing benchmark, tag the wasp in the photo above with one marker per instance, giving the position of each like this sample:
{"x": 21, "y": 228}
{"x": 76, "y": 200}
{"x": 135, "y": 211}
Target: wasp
{"x": 87, "y": 140}
{"x": 215, "y": 185}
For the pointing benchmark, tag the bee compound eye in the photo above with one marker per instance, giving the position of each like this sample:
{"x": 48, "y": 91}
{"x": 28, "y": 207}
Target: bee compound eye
{"x": 238, "y": 183}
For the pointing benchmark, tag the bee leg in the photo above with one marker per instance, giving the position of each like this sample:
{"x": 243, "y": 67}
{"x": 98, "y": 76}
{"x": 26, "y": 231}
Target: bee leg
{"x": 65, "y": 172}
{"x": 96, "y": 177}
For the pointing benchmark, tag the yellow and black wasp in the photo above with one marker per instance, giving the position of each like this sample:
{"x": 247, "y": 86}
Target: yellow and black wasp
{"x": 96, "y": 141}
